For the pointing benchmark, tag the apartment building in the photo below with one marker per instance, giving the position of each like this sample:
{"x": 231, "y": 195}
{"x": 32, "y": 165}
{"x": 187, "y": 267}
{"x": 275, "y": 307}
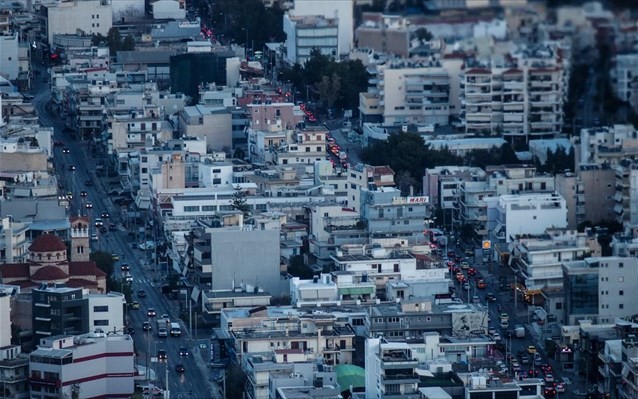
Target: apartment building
{"x": 599, "y": 289}
{"x": 390, "y": 370}
{"x": 14, "y": 366}
{"x": 529, "y": 213}
{"x": 442, "y": 183}
{"x": 623, "y": 78}
{"x": 409, "y": 92}
{"x": 389, "y": 35}
{"x": 473, "y": 196}
{"x": 264, "y": 114}
{"x": 377, "y": 265}
{"x": 341, "y": 11}
{"x": 538, "y": 258}
{"x": 136, "y": 129}
{"x": 626, "y": 192}
{"x": 332, "y": 225}
{"x": 315, "y": 333}
{"x": 334, "y": 288}
{"x": 365, "y": 176}
{"x": 14, "y": 246}
{"x": 62, "y": 310}
{"x": 305, "y": 146}
{"x": 91, "y": 365}
{"x": 279, "y": 368}
{"x": 212, "y": 123}
{"x": 305, "y": 33}
{"x": 629, "y": 386}
{"x": 607, "y": 145}
{"x": 90, "y": 16}
{"x": 520, "y": 101}
{"x": 245, "y": 295}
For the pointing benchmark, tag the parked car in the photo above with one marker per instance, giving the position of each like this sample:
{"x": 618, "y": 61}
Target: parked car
{"x": 148, "y": 245}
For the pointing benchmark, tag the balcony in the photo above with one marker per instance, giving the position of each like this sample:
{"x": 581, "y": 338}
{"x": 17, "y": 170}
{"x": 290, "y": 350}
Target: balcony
{"x": 410, "y": 378}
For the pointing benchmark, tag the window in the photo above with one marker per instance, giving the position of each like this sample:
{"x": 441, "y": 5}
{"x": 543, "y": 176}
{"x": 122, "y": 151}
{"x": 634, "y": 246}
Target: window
{"x": 620, "y": 265}
{"x": 191, "y": 209}
{"x": 621, "y": 292}
{"x": 217, "y": 171}
{"x": 101, "y": 323}
{"x": 621, "y": 306}
{"x": 208, "y": 208}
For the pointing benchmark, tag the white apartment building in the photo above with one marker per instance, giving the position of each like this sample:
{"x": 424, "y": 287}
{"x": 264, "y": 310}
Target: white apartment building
{"x": 390, "y": 370}
{"x": 14, "y": 245}
{"x": 335, "y": 288}
{"x": 380, "y": 266}
{"x": 14, "y": 366}
{"x": 341, "y": 10}
{"x": 332, "y": 225}
{"x": 531, "y": 213}
{"x": 442, "y": 183}
{"x": 409, "y": 92}
{"x": 539, "y": 258}
{"x": 261, "y": 144}
{"x": 89, "y": 16}
{"x": 136, "y": 130}
{"x": 9, "y": 56}
{"x": 607, "y": 144}
{"x": 106, "y": 312}
{"x": 308, "y": 32}
{"x": 305, "y": 146}
{"x": 95, "y": 364}
{"x": 213, "y": 173}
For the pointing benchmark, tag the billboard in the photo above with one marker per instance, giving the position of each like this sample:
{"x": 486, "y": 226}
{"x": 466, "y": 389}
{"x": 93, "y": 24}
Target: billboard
{"x": 469, "y": 323}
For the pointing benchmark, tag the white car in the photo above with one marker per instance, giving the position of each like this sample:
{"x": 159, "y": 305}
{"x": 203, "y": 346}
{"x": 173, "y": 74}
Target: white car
{"x": 549, "y": 378}
{"x": 496, "y": 337}
{"x": 491, "y": 330}
{"x": 560, "y": 387}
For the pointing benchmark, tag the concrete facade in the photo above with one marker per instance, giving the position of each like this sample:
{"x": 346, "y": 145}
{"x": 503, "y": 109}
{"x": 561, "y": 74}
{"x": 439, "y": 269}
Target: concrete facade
{"x": 89, "y": 16}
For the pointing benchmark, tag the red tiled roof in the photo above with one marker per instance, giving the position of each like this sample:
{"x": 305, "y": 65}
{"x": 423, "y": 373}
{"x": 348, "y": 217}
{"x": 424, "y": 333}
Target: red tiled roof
{"x": 15, "y": 270}
{"x": 85, "y": 268}
{"x": 479, "y": 71}
{"x": 512, "y": 71}
{"x": 49, "y": 273}
{"x": 47, "y": 243}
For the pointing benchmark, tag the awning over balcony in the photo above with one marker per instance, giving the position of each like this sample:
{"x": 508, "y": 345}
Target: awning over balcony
{"x": 356, "y": 291}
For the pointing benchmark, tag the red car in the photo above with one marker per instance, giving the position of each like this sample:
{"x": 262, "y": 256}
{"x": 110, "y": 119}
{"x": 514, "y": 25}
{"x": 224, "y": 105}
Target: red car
{"x": 471, "y": 271}
{"x": 481, "y": 284}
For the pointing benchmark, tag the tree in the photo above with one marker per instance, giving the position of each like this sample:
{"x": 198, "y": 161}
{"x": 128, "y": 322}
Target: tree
{"x": 404, "y": 181}
{"x": 423, "y": 35}
{"x": 328, "y": 89}
{"x": 114, "y": 40}
{"x": 239, "y": 201}
{"x": 98, "y": 39}
{"x": 104, "y": 261}
{"x": 235, "y": 382}
{"x": 128, "y": 44}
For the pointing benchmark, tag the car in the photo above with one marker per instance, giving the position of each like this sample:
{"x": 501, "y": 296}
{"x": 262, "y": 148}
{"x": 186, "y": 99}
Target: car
{"x": 146, "y": 326}
{"x": 496, "y": 336}
{"x": 151, "y": 312}
{"x": 549, "y": 392}
{"x": 183, "y": 351}
{"x": 451, "y": 254}
{"x": 476, "y": 299}
{"x": 71, "y": 167}
{"x": 130, "y": 330}
{"x": 525, "y": 359}
{"x": 105, "y": 215}
{"x": 99, "y": 222}
{"x": 88, "y": 182}
{"x": 128, "y": 278}
{"x": 58, "y": 143}
{"x": 481, "y": 284}
{"x": 549, "y": 378}
{"x": 531, "y": 349}
{"x": 112, "y": 227}
{"x": 125, "y": 267}
{"x": 103, "y": 229}
{"x": 147, "y": 245}
{"x": 560, "y": 387}
{"x": 83, "y": 194}
{"x": 547, "y": 369}
{"x": 135, "y": 305}
{"x": 141, "y": 294}
{"x": 93, "y": 237}
{"x": 164, "y": 316}
{"x": 466, "y": 286}
{"x": 465, "y": 265}
{"x": 162, "y": 355}
{"x": 491, "y": 330}
{"x": 490, "y": 297}
{"x": 471, "y": 271}
{"x": 180, "y": 368}
{"x": 115, "y": 257}
{"x": 504, "y": 316}
{"x": 469, "y": 252}
{"x": 89, "y": 205}
{"x": 66, "y": 150}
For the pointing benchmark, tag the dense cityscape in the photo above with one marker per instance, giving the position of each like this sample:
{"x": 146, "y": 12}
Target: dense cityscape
{"x": 318, "y": 199}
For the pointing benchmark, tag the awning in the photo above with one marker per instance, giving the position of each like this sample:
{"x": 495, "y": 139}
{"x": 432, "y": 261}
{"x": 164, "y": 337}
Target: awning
{"x": 356, "y": 291}
{"x": 349, "y": 375}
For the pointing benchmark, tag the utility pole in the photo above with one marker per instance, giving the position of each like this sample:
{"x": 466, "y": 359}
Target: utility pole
{"x": 190, "y": 316}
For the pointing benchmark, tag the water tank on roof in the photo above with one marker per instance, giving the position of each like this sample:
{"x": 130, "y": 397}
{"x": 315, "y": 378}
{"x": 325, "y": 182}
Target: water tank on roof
{"x": 378, "y": 253}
